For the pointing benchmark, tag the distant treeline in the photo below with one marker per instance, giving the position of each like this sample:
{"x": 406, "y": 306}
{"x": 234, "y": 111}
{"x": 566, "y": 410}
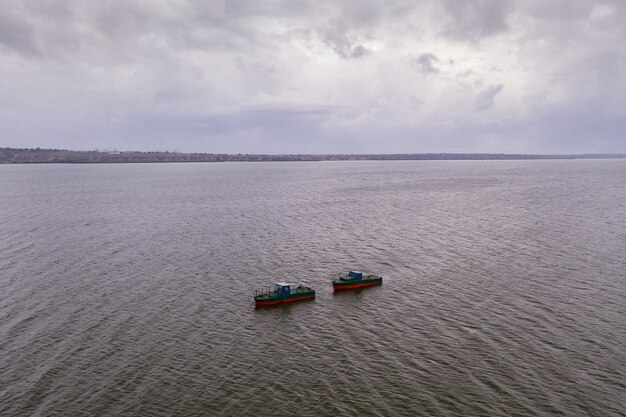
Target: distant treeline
{"x": 40, "y": 156}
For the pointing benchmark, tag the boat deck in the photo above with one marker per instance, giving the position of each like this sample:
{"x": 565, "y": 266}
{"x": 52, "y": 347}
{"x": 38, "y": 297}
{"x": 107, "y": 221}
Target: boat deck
{"x": 262, "y": 294}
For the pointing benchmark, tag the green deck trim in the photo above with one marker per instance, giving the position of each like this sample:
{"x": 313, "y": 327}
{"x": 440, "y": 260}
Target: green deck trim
{"x": 273, "y": 297}
{"x": 356, "y": 281}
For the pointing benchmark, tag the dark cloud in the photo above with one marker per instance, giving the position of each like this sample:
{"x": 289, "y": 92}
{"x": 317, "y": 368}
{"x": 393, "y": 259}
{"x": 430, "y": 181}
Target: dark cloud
{"x": 560, "y": 9}
{"x": 427, "y": 63}
{"x": 474, "y": 19}
{"x": 14, "y": 35}
{"x": 349, "y": 28}
{"x": 344, "y": 44}
{"x": 325, "y": 75}
{"x": 352, "y": 24}
{"x": 484, "y": 99}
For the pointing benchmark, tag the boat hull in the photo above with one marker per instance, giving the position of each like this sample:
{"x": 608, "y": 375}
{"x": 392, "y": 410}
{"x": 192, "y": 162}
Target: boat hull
{"x": 339, "y": 285}
{"x": 272, "y": 301}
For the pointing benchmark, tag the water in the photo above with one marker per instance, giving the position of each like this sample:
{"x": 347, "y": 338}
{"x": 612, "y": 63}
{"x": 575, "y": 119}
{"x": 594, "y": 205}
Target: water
{"x": 126, "y": 289}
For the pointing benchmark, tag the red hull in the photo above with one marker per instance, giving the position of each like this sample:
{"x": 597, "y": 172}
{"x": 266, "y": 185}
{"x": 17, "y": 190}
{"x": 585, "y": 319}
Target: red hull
{"x": 353, "y": 286}
{"x": 288, "y": 300}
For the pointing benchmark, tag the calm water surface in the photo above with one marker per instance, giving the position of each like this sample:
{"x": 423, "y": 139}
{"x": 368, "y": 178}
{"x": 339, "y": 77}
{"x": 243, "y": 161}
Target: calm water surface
{"x": 126, "y": 289}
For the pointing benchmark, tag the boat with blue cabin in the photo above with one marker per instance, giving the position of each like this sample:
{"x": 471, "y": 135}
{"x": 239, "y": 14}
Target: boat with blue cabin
{"x": 283, "y": 292}
{"x": 356, "y": 279}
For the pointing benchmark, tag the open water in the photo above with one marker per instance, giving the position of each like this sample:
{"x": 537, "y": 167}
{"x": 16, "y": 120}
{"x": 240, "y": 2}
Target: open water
{"x": 125, "y": 290}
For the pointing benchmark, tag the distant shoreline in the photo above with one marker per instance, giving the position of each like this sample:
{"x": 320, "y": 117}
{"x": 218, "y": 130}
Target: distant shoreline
{"x": 57, "y": 156}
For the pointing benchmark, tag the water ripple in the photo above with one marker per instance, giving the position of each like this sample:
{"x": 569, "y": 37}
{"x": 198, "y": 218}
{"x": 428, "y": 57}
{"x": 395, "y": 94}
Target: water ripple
{"x": 126, "y": 291}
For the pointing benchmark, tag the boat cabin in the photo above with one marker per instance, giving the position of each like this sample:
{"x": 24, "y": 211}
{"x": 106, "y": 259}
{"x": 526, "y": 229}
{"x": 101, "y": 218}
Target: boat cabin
{"x": 282, "y": 288}
{"x": 355, "y": 275}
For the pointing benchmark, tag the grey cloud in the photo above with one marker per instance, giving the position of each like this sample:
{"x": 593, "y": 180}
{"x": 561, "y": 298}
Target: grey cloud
{"x": 16, "y": 32}
{"x": 427, "y": 63}
{"x": 353, "y": 23}
{"x": 129, "y": 28}
{"x": 559, "y": 9}
{"x": 286, "y": 111}
{"x": 343, "y": 41}
{"x": 484, "y": 100}
{"x": 471, "y": 20}
{"x": 358, "y": 51}
{"x": 288, "y": 124}
{"x": 119, "y": 28}
{"x": 271, "y": 8}
{"x": 258, "y": 75}
{"x": 125, "y": 19}
{"x": 345, "y": 49}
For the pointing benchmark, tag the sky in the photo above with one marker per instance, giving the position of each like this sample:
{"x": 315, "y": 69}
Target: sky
{"x": 289, "y": 76}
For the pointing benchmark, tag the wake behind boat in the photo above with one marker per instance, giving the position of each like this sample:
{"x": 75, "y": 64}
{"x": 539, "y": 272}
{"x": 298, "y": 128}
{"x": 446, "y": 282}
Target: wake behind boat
{"x": 355, "y": 279}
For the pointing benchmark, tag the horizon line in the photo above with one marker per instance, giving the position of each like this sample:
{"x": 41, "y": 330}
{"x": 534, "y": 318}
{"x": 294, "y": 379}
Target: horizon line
{"x": 175, "y": 152}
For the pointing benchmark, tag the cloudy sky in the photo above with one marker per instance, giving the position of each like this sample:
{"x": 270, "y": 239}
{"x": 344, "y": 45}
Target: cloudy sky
{"x": 288, "y": 76}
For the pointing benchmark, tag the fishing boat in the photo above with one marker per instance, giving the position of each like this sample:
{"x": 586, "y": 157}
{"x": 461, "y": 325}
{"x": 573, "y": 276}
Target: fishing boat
{"x": 283, "y": 292}
{"x": 355, "y": 279}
